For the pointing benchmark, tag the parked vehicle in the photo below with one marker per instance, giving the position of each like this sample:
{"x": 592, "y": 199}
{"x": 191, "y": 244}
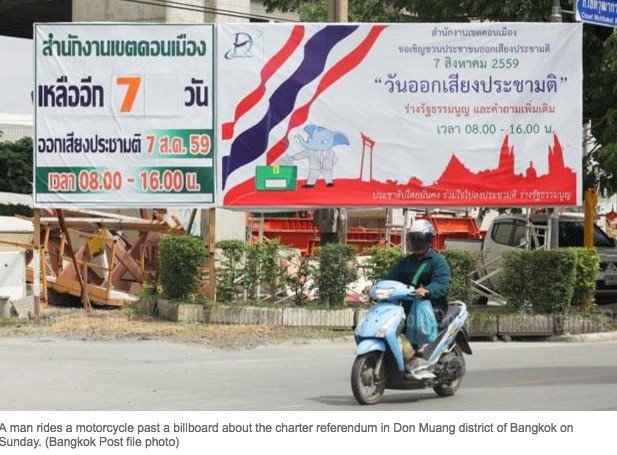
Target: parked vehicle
{"x": 380, "y": 338}
{"x": 507, "y": 232}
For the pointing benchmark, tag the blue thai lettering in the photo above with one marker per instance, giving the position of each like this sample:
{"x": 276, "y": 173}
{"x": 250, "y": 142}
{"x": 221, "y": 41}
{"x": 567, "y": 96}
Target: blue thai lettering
{"x": 198, "y": 93}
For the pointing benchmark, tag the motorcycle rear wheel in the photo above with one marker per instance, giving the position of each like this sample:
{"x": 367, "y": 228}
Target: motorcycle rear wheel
{"x": 367, "y": 384}
{"x": 447, "y": 390}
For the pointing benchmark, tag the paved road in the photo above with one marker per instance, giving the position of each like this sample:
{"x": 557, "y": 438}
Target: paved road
{"x": 56, "y": 374}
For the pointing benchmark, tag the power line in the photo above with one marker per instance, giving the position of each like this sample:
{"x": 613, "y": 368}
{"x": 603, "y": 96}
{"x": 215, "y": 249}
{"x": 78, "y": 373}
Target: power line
{"x": 206, "y": 9}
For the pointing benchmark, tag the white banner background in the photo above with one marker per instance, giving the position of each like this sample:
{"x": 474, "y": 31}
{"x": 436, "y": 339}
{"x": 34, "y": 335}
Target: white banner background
{"x": 384, "y": 97}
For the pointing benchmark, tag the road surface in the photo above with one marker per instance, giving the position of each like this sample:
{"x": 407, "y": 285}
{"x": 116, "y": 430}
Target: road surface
{"x": 59, "y": 374}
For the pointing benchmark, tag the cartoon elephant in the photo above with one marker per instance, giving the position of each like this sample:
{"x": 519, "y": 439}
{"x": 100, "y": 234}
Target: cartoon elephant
{"x": 318, "y": 150}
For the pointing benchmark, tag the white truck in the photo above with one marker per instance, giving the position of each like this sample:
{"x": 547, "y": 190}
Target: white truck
{"x": 508, "y": 232}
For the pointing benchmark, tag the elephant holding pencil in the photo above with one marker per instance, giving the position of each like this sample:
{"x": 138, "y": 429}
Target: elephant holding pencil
{"x": 318, "y": 148}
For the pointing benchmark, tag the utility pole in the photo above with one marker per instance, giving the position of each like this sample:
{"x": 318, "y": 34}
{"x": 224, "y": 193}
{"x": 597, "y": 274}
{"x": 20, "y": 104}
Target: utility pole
{"x": 36, "y": 265}
{"x": 553, "y": 221}
{"x": 556, "y": 11}
{"x": 590, "y": 197}
{"x": 337, "y": 12}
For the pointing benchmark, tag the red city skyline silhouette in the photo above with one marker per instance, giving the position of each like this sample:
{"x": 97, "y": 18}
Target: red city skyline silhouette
{"x": 456, "y": 186}
{"x": 504, "y": 174}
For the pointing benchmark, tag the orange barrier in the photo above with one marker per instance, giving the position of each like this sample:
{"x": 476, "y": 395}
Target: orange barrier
{"x": 302, "y": 233}
{"x": 453, "y": 228}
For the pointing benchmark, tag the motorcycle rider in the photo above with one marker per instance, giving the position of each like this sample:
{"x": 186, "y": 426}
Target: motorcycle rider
{"x": 430, "y": 274}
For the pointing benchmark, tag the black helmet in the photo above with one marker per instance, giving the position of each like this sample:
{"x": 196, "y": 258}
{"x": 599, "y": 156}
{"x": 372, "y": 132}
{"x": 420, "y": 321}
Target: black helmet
{"x": 421, "y": 235}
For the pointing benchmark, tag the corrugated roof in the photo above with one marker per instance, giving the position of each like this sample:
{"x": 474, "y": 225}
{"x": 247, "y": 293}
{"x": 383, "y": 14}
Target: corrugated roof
{"x": 15, "y": 119}
{"x": 16, "y": 198}
{"x": 13, "y": 225}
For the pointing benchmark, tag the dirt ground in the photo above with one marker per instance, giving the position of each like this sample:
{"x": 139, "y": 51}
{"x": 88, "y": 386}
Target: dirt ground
{"x": 115, "y": 324}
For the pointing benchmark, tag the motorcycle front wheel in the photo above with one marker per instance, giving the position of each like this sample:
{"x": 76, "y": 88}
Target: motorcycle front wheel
{"x": 367, "y": 383}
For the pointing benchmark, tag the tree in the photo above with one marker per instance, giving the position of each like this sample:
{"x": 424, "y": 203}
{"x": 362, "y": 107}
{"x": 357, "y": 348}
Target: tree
{"x": 16, "y": 166}
{"x": 599, "y": 58}
{"x": 423, "y": 11}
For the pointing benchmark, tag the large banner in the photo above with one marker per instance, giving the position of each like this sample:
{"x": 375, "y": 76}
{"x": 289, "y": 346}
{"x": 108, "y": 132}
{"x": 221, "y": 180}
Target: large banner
{"x": 124, "y": 115}
{"x": 399, "y": 115}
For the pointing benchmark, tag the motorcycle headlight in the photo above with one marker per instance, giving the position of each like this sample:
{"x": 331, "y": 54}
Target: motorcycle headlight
{"x": 383, "y": 293}
{"x": 387, "y": 326}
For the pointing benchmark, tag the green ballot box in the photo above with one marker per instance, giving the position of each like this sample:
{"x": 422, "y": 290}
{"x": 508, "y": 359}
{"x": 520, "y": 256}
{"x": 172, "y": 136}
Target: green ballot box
{"x": 276, "y": 178}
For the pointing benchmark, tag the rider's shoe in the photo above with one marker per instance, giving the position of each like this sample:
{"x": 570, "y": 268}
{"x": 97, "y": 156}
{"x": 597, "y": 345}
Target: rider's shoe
{"x": 417, "y": 369}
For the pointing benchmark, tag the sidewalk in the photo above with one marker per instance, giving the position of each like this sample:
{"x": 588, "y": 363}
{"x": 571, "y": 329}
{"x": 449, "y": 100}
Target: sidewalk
{"x": 587, "y": 337}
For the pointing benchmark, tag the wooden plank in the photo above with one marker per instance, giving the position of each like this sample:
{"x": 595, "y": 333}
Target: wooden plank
{"x": 211, "y": 254}
{"x": 96, "y": 294}
{"x": 111, "y": 268}
{"x": 45, "y": 299}
{"x": 37, "y": 264}
{"x": 93, "y": 224}
{"x": 131, "y": 265}
{"x": 177, "y": 221}
{"x": 25, "y": 246}
{"x": 115, "y": 216}
{"x": 85, "y": 297}
{"x": 82, "y": 254}
{"x": 191, "y": 221}
{"x": 133, "y": 253}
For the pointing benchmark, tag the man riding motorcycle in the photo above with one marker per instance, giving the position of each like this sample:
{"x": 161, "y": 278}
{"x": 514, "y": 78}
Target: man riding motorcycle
{"x": 429, "y": 273}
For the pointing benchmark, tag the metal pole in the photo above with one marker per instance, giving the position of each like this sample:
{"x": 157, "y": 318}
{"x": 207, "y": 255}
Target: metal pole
{"x": 212, "y": 254}
{"x": 556, "y": 12}
{"x": 591, "y": 201}
{"x": 404, "y": 230}
{"x": 338, "y": 11}
{"x": 262, "y": 220}
{"x": 85, "y": 298}
{"x": 191, "y": 221}
{"x": 36, "y": 265}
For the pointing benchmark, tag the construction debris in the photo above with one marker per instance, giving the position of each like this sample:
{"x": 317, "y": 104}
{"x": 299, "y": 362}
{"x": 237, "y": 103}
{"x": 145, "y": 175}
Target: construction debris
{"x": 103, "y": 258}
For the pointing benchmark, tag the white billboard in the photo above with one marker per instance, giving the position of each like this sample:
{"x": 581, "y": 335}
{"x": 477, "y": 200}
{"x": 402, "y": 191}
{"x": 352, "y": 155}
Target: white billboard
{"x": 402, "y": 115}
{"x": 124, "y": 115}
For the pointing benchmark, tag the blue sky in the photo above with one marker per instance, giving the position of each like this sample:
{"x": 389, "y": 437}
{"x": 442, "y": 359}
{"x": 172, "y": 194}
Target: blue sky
{"x": 16, "y": 75}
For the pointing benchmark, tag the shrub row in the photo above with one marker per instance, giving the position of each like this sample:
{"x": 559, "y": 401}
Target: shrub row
{"x": 550, "y": 281}
{"x": 15, "y": 209}
{"x": 540, "y": 281}
{"x": 248, "y": 272}
{"x": 245, "y": 268}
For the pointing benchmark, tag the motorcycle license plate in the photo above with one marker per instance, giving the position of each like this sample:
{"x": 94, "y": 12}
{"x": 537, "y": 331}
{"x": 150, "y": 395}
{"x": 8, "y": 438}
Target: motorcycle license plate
{"x": 610, "y": 280}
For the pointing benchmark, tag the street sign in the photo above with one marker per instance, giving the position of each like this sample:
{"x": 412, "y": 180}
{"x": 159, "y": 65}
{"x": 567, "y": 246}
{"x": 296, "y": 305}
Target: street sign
{"x": 597, "y": 12}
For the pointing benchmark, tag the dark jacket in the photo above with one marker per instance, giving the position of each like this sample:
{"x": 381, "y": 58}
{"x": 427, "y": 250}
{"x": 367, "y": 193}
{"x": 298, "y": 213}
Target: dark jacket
{"x": 435, "y": 277}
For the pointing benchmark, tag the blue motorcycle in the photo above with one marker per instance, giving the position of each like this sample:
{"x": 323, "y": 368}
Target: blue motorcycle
{"x": 380, "y": 338}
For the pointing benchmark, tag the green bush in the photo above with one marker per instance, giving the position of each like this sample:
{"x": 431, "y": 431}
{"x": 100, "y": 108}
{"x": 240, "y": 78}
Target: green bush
{"x": 540, "y": 280}
{"x": 514, "y": 278}
{"x": 252, "y": 278}
{"x": 462, "y": 264}
{"x": 337, "y": 268}
{"x": 179, "y": 260}
{"x": 298, "y": 281}
{"x": 587, "y": 271}
{"x": 380, "y": 261}
{"x": 15, "y": 209}
{"x": 271, "y": 269}
{"x": 263, "y": 268}
{"x": 230, "y": 271}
